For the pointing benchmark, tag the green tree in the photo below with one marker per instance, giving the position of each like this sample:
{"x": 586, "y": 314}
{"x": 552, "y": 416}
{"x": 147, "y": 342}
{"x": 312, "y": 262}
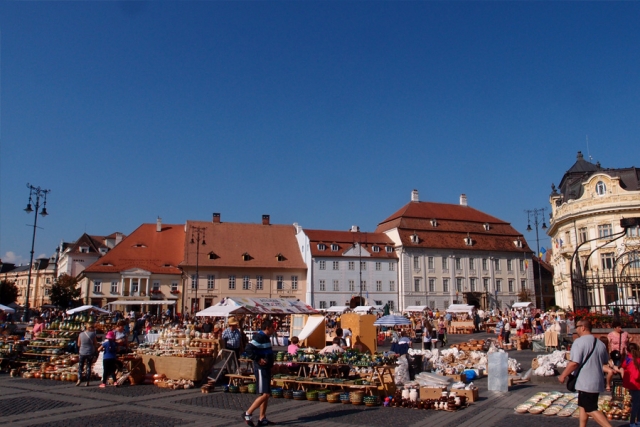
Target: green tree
{"x": 65, "y": 291}
{"x": 524, "y": 295}
{"x": 8, "y": 292}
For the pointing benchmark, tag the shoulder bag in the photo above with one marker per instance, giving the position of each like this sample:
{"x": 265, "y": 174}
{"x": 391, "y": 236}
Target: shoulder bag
{"x": 573, "y": 378}
{"x": 615, "y": 355}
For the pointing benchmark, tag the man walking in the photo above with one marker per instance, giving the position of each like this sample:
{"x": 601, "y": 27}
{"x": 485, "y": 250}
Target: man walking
{"x": 260, "y": 351}
{"x": 590, "y": 380}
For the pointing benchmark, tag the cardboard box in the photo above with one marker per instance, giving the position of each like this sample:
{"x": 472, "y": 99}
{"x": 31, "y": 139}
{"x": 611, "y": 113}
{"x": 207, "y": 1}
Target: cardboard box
{"x": 457, "y": 378}
{"x": 431, "y": 392}
{"x": 472, "y": 395}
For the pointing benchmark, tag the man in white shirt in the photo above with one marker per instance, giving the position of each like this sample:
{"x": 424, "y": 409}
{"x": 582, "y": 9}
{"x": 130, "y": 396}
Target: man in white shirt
{"x": 333, "y": 348}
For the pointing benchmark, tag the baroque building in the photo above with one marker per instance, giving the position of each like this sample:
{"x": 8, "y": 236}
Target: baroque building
{"x": 451, "y": 254}
{"x": 594, "y": 235}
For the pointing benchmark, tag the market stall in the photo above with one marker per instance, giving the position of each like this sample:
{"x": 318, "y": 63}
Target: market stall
{"x": 89, "y": 308}
{"x": 416, "y": 309}
{"x": 338, "y": 309}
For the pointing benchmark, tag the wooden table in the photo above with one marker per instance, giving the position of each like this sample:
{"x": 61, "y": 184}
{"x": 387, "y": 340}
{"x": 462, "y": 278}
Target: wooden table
{"x": 187, "y": 368}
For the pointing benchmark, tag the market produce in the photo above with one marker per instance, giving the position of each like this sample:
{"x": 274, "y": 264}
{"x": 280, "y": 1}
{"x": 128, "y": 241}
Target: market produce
{"x": 550, "y": 364}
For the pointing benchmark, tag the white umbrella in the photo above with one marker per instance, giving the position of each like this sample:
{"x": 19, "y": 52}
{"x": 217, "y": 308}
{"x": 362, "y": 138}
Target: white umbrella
{"x": 392, "y": 320}
{"x": 6, "y": 309}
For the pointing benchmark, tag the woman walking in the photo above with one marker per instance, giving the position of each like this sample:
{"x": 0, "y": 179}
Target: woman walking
{"x": 630, "y": 371}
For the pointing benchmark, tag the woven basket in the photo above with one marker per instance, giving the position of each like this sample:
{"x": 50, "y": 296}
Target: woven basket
{"x": 312, "y": 395}
{"x": 333, "y": 397}
{"x": 287, "y": 394}
{"x": 244, "y": 389}
{"x": 276, "y": 392}
{"x": 534, "y": 364}
{"x": 299, "y": 395}
{"x": 233, "y": 389}
{"x": 345, "y": 398}
{"x": 356, "y": 397}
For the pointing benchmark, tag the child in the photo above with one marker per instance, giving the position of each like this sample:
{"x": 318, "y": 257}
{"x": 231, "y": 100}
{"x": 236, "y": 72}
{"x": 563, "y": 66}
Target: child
{"x": 426, "y": 336}
{"x": 630, "y": 371}
{"x": 109, "y": 358}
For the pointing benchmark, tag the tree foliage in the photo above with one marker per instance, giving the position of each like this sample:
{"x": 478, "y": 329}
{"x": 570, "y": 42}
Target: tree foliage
{"x": 65, "y": 291}
{"x": 524, "y": 295}
{"x": 8, "y": 292}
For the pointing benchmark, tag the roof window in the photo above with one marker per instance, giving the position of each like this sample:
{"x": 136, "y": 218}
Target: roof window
{"x": 415, "y": 238}
{"x": 468, "y": 240}
{"x": 246, "y": 257}
{"x": 518, "y": 243}
{"x": 212, "y": 255}
{"x": 389, "y": 249}
{"x": 486, "y": 226}
{"x": 280, "y": 257}
{"x": 376, "y": 248}
{"x": 434, "y": 222}
{"x": 334, "y": 247}
{"x": 322, "y": 246}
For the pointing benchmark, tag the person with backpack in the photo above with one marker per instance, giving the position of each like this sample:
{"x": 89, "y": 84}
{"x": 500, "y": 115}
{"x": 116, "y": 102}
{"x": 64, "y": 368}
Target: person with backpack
{"x": 259, "y": 350}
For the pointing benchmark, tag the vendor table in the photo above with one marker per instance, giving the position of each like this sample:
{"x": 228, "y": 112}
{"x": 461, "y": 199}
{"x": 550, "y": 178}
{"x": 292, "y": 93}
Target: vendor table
{"x": 187, "y": 368}
{"x": 151, "y": 338}
{"x": 461, "y": 327}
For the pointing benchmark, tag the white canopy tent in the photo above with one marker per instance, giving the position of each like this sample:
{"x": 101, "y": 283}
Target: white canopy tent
{"x": 222, "y": 311}
{"x": 367, "y": 308}
{"x": 460, "y": 308}
{"x": 526, "y": 304}
{"x": 312, "y": 324}
{"x": 87, "y": 308}
{"x": 6, "y": 309}
{"x": 142, "y": 302}
{"x": 413, "y": 308}
{"x": 629, "y": 302}
{"x": 338, "y": 309}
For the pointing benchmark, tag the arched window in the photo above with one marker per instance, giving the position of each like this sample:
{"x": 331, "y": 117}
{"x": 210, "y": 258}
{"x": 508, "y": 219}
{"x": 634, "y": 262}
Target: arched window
{"x": 601, "y": 189}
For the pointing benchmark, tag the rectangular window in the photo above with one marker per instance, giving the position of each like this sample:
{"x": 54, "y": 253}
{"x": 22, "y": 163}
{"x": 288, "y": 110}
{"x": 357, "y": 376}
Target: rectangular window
{"x": 174, "y": 286}
{"x": 459, "y": 284}
{"x": 509, "y": 265}
{"x": 432, "y": 285}
{"x": 322, "y": 286}
{"x": 193, "y": 281}
{"x": 211, "y": 281}
{"x": 496, "y": 263}
{"x": 363, "y": 265}
{"x": 48, "y": 281}
{"x": 633, "y": 231}
{"x": 156, "y": 286}
{"x": 391, "y": 305}
{"x": 364, "y": 285}
{"x": 232, "y": 282}
{"x": 445, "y": 263}
{"x": 279, "y": 283}
{"x": 472, "y": 264}
{"x": 485, "y": 264}
{"x": 523, "y": 284}
{"x": 336, "y": 285}
{"x": 416, "y": 263}
{"x": 607, "y": 260}
{"x": 336, "y": 265}
{"x": 416, "y": 284}
{"x": 445, "y": 285}
{"x": 417, "y": 302}
{"x": 392, "y": 266}
{"x": 259, "y": 283}
{"x": 472, "y": 284}
{"x": 378, "y": 266}
{"x": 294, "y": 283}
{"x": 430, "y": 263}
{"x": 392, "y": 285}
{"x": 97, "y": 287}
{"x": 510, "y": 284}
{"x": 352, "y": 265}
{"x": 135, "y": 286}
{"x": 498, "y": 285}
{"x": 332, "y": 304}
{"x": 485, "y": 283}
{"x": 322, "y": 265}
{"x": 432, "y": 305}
{"x": 246, "y": 283}
{"x": 378, "y": 285}
{"x": 352, "y": 286}
{"x": 583, "y": 233}
{"x": 458, "y": 264}
{"x": 114, "y": 287}
{"x": 521, "y": 265}
{"x": 323, "y": 305}
{"x": 604, "y": 231}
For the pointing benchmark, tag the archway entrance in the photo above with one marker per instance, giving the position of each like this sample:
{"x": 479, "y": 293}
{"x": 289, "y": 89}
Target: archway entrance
{"x": 355, "y": 302}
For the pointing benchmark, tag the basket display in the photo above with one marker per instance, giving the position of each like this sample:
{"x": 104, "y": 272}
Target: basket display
{"x": 371, "y": 400}
{"x": 276, "y": 392}
{"x": 287, "y": 394}
{"x": 251, "y": 388}
{"x": 356, "y": 397}
{"x": 312, "y": 395}
{"x": 299, "y": 395}
{"x": 345, "y": 398}
{"x": 322, "y": 395}
{"x": 243, "y": 389}
{"x": 234, "y": 389}
{"x": 333, "y": 397}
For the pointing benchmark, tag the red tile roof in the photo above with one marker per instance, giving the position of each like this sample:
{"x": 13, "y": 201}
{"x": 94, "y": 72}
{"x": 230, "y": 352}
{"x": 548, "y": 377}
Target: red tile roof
{"x": 229, "y": 241}
{"x": 453, "y": 224}
{"x": 157, "y": 252}
{"x": 346, "y": 240}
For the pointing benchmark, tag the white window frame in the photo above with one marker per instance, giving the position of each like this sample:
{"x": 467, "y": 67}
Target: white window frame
{"x": 294, "y": 283}
{"x": 322, "y": 265}
{"x": 246, "y": 283}
{"x": 232, "y": 282}
{"x": 336, "y": 265}
{"x": 211, "y": 281}
{"x": 336, "y": 285}
{"x": 259, "y": 283}
{"x": 114, "y": 286}
{"x": 322, "y": 286}
{"x": 97, "y": 287}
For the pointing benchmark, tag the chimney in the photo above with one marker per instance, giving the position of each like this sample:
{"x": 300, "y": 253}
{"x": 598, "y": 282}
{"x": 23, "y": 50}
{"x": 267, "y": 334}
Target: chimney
{"x": 355, "y": 228}
{"x": 463, "y": 200}
{"x": 414, "y": 196}
{"x": 118, "y": 237}
{"x": 159, "y": 224}
{"x": 265, "y": 219}
{"x": 216, "y": 217}
{"x": 298, "y": 227}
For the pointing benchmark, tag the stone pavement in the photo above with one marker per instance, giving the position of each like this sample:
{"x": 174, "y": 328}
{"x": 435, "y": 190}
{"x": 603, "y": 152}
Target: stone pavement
{"x": 34, "y": 402}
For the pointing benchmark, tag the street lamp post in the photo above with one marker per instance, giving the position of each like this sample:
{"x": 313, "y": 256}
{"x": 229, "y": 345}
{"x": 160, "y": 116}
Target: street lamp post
{"x": 37, "y": 193}
{"x": 535, "y": 213}
{"x": 197, "y": 238}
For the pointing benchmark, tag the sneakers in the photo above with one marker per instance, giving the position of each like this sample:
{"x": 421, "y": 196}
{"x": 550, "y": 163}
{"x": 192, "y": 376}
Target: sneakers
{"x": 265, "y": 422}
{"x": 103, "y": 385}
{"x": 248, "y": 419}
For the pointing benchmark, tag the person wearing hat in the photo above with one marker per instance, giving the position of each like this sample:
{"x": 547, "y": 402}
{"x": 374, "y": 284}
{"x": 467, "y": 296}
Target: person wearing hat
{"x": 232, "y": 336}
{"x": 109, "y": 358}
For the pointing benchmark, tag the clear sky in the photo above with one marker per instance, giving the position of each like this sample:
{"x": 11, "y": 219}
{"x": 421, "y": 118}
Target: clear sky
{"x": 323, "y": 113}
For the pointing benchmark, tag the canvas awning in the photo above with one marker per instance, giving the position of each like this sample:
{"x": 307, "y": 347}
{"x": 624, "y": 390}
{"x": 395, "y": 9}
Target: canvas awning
{"x": 416, "y": 308}
{"x": 222, "y": 311}
{"x": 87, "y": 308}
{"x": 312, "y": 324}
{"x": 460, "y": 308}
{"x": 142, "y": 302}
{"x": 367, "y": 308}
{"x": 270, "y": 305}
{"x": 338, "y": 309}
{"x": 6, "y": 309}
{"x": 522, "y": 304}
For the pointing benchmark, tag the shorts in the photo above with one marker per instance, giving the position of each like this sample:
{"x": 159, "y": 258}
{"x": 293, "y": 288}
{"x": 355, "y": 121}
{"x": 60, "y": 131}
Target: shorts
{"x": 263, "y": 380}
{"x": 588, "y": 401}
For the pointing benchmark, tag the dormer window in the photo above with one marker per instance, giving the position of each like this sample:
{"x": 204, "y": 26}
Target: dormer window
{"x": 468, "y": 240}
{"x": 246, "y": 257}
{"x": 103, "y": 250}
{"x": 107, "y": 264}
{"x": 212, "y": 255}
{"x": 84, "y": 249}
{"x": 486, "y": 226}
{"x": 334, "y": 247}
{"x": 322, "y": 246}
{"x": 518, "y": 243}
{"x": 389, "y": 249}
{"x": 139, "y": 245}
{"x": 375, "y": 248}
{"x": 601, "y": 188}
{"x": 280, "y": 257}
{"x": 415, "y": 238}
{"x": 434, "y": 222}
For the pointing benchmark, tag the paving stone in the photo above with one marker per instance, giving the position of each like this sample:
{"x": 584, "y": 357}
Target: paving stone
{"x": 238, "y": 401}
{"x": 20, "y": 405}
{"x": 118, "y": 419}
{"x": 39, "y": 383}
{"x": 128, "y": 391}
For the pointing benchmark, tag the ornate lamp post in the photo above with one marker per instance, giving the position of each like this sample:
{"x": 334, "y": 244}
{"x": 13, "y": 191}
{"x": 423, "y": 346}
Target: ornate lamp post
{"x": 197, "y": 238}
{"x": 534, "y": 213}
{"x": 37, "y": 193}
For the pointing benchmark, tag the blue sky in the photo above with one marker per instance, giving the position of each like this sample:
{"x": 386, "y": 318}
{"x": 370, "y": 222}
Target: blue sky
{"x": 323, "y": 113}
